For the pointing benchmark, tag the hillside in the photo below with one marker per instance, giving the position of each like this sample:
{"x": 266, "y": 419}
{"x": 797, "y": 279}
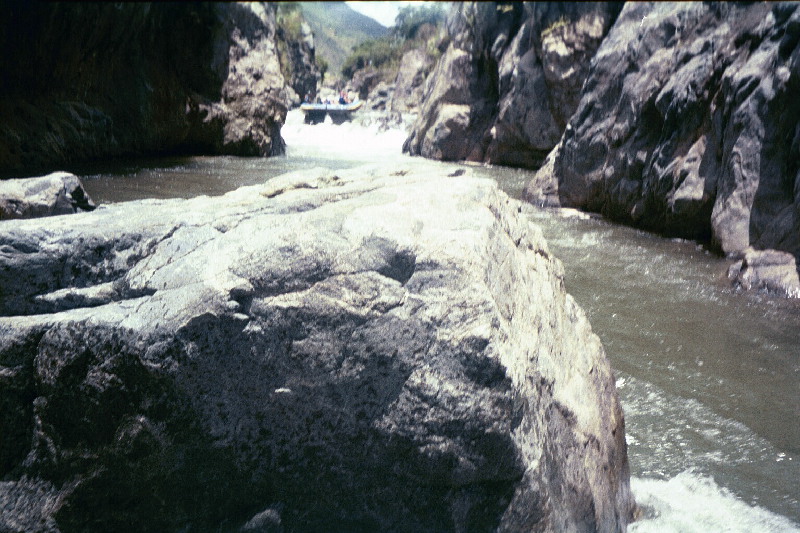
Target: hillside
{"x": 337, "y": 28}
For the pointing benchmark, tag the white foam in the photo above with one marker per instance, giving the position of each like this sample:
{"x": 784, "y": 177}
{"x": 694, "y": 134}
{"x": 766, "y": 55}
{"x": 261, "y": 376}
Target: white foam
{"x": 692, "y": 503}
{"x": 568, "y": 212}
{"x": 342, "y": 141}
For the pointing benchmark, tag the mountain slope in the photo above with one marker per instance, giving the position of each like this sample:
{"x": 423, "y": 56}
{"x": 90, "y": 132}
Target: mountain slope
{"x": 337, "y": 28}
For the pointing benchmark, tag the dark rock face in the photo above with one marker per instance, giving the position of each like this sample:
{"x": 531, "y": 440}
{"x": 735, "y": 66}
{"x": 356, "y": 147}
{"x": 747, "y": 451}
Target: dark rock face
{"x": 86, "y": 81}
{"x": 351, "y": 352}
{"x": 688, "y": 125}
{"x": 59, "y": 193}
{"x": 363, "y": 82}
{"x": 509, "y": 80}
{"x": 299, "y": 60}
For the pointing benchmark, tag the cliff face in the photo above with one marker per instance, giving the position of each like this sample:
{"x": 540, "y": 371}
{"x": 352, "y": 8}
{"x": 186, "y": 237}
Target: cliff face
{"x": 297, "y": 54}
{"x": 689, "y": 124}
{"x": 509, "y": 80}
{"x": 86, "y": 81}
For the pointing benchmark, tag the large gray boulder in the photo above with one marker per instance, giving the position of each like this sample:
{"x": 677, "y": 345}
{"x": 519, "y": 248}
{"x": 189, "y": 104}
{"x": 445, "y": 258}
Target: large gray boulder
{"x": 59, "y": 193}
{"x": 341, "y": 352}
{"x": 688, "y": 125}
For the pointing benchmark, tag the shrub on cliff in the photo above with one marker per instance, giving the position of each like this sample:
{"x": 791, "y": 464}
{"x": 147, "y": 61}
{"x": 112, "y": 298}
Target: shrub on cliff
{"x": 415, "y": 27}
{"x": 412, "y": 20}
{"x": 374, "y": 52}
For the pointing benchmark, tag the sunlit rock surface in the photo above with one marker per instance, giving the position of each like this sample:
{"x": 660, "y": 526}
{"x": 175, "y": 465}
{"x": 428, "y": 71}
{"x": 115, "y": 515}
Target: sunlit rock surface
{"x": 414, "y": 67}
{"x": 354, "y": 351}
{"x": 509, "y": 80}
{"x": 770, "y": 271}
{"x": 59, "y": 193}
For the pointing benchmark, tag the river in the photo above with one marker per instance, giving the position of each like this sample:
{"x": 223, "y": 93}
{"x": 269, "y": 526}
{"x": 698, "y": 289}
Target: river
{"x": 709, "y": 378}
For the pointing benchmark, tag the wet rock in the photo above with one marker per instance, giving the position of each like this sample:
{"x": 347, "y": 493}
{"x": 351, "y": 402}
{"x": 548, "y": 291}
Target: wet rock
{"x": 328, "y": 351}
{"x": 770, "y": 271}
{"x": 688, "y": 125}
{"x": 59, "y": 193}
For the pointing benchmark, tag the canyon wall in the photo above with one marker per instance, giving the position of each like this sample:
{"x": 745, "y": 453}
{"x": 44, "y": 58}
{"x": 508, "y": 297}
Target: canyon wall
{"x": 679, "y": 118}
{"x": 509, "y": 80}
{"x": 90, "y": 81}
{"x": 689, "y": 125}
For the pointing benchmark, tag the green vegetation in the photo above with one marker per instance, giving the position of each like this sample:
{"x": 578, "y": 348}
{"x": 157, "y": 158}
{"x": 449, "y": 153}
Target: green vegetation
{"x": 378, "y": 53}
{"x": 412, "y": 20}
{"x": 415, "y": 27}
{"x": 337, "y": 29}
{"x": 290, "y": 17}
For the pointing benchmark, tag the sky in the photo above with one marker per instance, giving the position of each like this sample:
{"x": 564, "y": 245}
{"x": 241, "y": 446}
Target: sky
{"x": 383, "y": 12}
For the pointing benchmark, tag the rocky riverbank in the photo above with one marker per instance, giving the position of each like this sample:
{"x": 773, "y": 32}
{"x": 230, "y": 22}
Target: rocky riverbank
{"x": 351, "y": 351}
{"x": 678, "y": 118}
{"x": 90, "y": 81}
{"x": 688, "y": 126}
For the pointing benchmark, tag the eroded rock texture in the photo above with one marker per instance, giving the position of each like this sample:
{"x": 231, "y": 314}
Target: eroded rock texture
{"x": 298, "y": 62}
{"x": 87, "y": 81}
{"x": 688, "y": 125}
{"x": 509, "y": 80}
{"x": 59, "y": 193}
{"x": 414, "y": 68}
{"x": 351, "y": 352}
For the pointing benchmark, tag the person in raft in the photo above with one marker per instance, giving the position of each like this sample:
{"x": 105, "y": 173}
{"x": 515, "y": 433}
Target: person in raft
{"x": 343, "y": 98}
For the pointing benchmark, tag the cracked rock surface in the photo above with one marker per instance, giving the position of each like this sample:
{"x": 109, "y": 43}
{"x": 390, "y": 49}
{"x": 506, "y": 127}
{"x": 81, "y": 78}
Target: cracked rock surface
{"x": 355, "y": 351}
{"x": 58, "y": 193}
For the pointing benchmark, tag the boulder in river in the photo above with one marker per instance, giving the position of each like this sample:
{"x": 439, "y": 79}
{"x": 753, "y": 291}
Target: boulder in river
{"x": 58, "y": 193}
{"x": 357, "y": 351}
{"x": 770, "y": 271}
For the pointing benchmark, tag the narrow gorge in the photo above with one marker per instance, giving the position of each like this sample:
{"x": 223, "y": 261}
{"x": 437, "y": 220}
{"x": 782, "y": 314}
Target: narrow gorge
{"x": 544, "y": 280}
